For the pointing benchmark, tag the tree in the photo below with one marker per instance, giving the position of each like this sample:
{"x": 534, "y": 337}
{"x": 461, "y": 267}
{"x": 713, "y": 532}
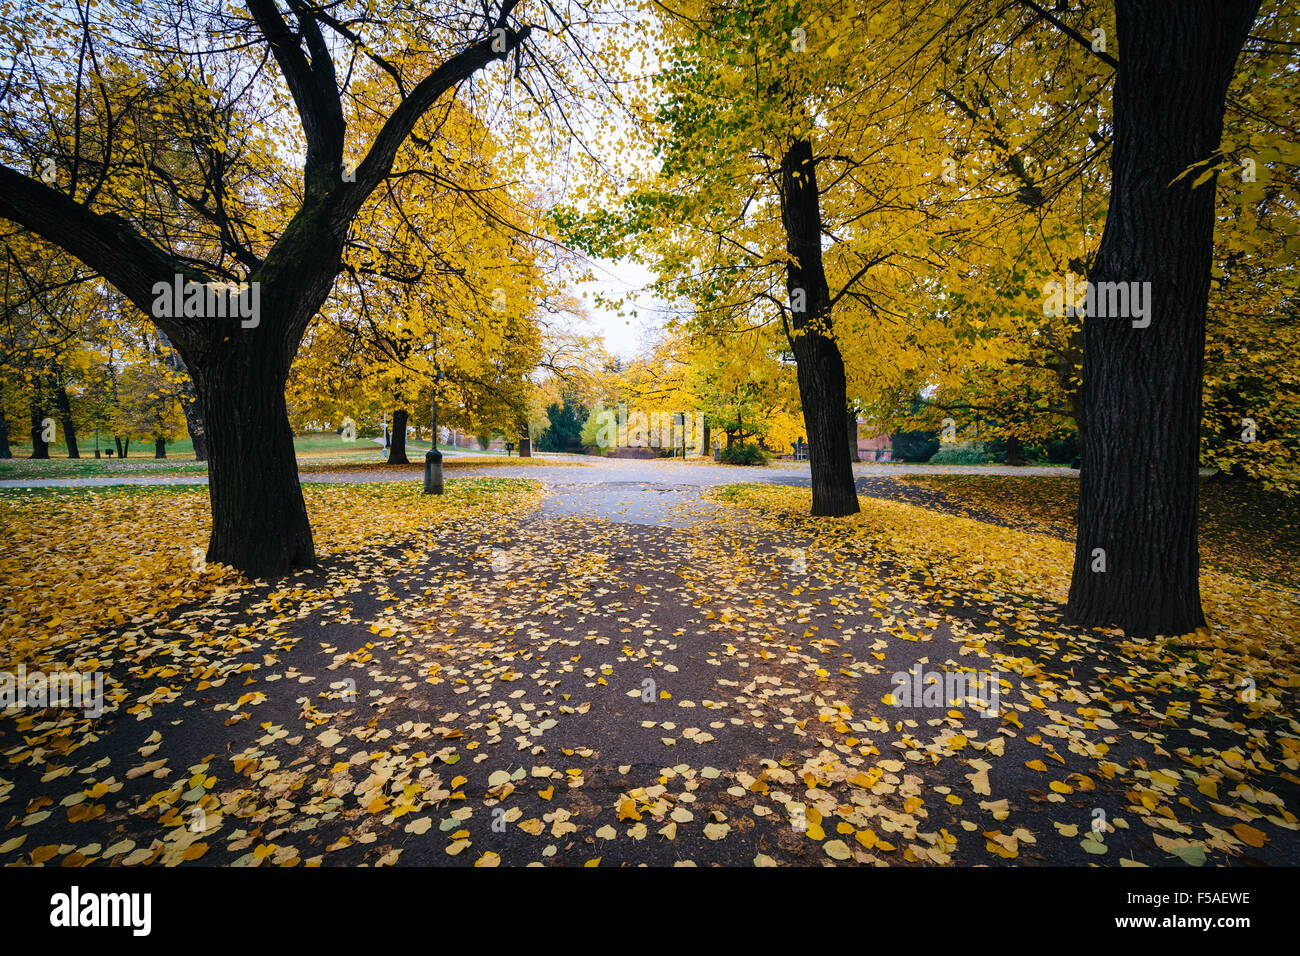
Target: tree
{"x": 439, "y": 299}
{"x": 564, "y": 426}
{"x": 47, "y": 320}
{"x": 1136, "y": 559}
{"x": 283, "y": 250}
{"x": 803, "y": 180}
{"x": 149, "y": 405}
{"x": 397, "y": 439}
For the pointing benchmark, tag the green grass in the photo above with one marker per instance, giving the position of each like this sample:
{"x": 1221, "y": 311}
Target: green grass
{"x": 101, "y": 468}
{"x": 319, "y": 450}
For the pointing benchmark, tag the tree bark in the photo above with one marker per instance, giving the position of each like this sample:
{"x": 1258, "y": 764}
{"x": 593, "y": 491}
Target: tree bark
{"x": 5, "y": 451}
{"x": 160, "y": 447}
{"x": 397, "y": 441}
{"x": 65, "y": 417}
{"x": 820, "y": 367}
{"x": 1142, "y": 385}
{"x": 853, "y": 437}
{"x": 190, "y": 406}
{"x": 194, "y": 424}
{"x": 525, "y": 446}
{"x": 259, "y": 519}
{"x": 1015, "y": 452}
{"x": 40, "y": 449}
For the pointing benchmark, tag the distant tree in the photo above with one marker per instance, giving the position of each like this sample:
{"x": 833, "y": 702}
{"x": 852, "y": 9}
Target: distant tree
{"x": 149, "y": 406}
{"x": 564, "y": 431}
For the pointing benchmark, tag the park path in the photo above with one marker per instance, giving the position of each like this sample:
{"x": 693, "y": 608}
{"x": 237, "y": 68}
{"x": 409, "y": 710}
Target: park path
{"x": 572, "y": 477}
{"x": 646, "y": 492}
{"x": 611, "y": 682}
{"x": 614, "y": 681}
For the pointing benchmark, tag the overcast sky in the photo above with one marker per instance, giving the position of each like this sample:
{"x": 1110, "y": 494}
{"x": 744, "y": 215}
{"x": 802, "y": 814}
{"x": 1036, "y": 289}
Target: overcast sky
{"x": 625, "y": 336}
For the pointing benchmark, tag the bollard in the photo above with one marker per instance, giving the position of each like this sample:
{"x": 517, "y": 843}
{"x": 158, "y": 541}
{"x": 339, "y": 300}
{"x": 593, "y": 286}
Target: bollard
{"x": 433, "y": 472}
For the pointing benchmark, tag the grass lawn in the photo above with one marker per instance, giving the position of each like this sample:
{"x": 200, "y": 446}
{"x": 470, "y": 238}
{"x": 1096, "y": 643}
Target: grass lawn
{"x": 317, "y": 448}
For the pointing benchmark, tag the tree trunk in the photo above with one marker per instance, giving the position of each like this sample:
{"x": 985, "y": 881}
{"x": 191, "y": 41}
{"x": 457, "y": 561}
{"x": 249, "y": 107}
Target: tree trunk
{"x": 259, "y": 519}
{"x": 397, "y": 444}
{"x": 193, "y": 410}
{"x": 122, "y": 447}
{"x": 160, "y": 447}
{"x": 525, "y": 446}
{"x": 1015, "y": 452}
{"x": 189, "y": 398}
{"x": 65, "y": 417}
{"x": 5, "y": 451}
{"x": 1142, "y": 385}
{"x": 853, "y": 437}
{"x": 822, "y": 386}
{"x": 40, "y": 449}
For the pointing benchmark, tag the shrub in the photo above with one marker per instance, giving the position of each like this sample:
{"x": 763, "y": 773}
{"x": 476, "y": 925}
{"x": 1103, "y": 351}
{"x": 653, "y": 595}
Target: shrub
{"x": 914, "y": 446}
{"x": 959, "y": 456}
{"x": 742, "y": 455}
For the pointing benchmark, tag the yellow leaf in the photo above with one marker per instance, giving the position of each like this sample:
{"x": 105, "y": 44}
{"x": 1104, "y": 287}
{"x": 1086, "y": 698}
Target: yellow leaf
{"x": 1249, "y": 835}
{"x": 837, "y": 850}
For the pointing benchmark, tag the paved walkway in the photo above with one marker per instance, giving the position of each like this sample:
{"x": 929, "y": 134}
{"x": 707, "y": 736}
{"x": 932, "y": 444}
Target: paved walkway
{"x": 564, "y": 477}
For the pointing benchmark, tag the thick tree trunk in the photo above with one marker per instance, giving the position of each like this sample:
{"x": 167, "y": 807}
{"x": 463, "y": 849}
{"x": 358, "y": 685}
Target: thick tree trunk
{"x": 822, "y": 385}
{"x": 259, "y": 519}
{"x": 853, "y": 437}
{"x": 40, "y": 449}
{"x": 5, "y": 450}
{"x": 65, "y": 417}
{"x": 1015, "y": 452}
{"x": 1142, "y": 385}
{"x": 397, "y": 443}
{"x": 160, "y": 447}
{"x": 525, "y": 447}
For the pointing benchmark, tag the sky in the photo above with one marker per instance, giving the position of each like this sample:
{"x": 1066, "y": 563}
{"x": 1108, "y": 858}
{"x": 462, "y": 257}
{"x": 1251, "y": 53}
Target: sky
{"x": 625, "y": 336}
{"x": 623, "y": 151}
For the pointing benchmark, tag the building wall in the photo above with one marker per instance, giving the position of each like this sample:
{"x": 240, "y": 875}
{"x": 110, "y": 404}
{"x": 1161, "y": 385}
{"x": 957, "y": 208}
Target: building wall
{"x": 873, "y": 447}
